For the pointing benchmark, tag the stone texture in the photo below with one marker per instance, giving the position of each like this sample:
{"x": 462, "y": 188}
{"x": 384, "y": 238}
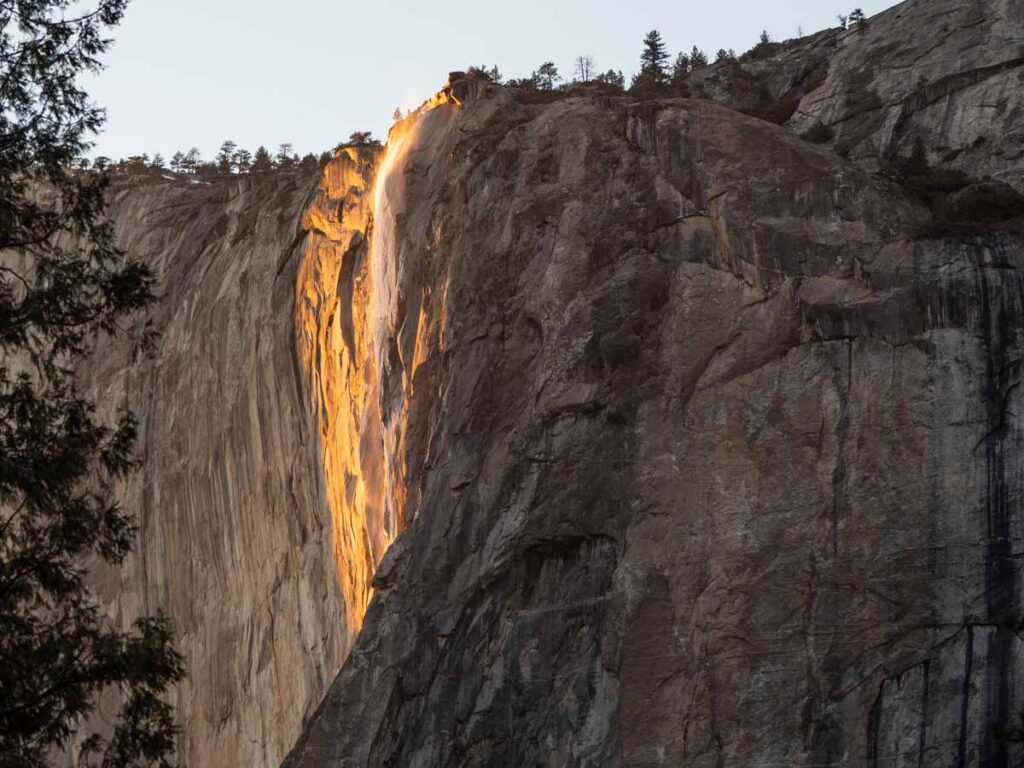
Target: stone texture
{"x": 948, "y": 72}
{"x": 706, "y": 459}
{"x": 236, "y": 539}
{"x": 679, "y": 445}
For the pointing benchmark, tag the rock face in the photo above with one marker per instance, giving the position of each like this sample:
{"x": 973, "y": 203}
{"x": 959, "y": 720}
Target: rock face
{"x": 707, "y": 457}
{"x": 234, "y": 498}
{"x": 948, "y": 72}
{"x": 675, "y": 441}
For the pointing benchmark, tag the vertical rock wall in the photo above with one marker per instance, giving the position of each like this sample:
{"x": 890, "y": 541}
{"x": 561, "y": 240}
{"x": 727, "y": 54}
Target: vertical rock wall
{"x": 949, "y": 73}
{"x": 257, "y": 531}
{"x": 333, "y": 302}
{"x": 718, "y": 460}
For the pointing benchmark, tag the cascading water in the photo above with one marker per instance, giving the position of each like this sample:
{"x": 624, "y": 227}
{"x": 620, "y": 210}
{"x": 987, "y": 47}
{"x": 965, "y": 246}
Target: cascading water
{"x": 386, "y": 271}
{"x": 397, "y": 334}
{"x": 350, "y": 312}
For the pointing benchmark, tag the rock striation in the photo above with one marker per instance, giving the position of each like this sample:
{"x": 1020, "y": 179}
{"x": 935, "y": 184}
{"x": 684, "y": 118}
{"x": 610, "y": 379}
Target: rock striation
{"x": 947, "y": 72}
{"x": 721, "y": 457}
{"x": 600, "y": 431}
{"x": 234, "y": 496}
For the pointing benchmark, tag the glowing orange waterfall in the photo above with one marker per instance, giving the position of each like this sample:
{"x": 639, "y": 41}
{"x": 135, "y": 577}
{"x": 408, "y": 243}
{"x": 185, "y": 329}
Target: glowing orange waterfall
{"x": 347, "y": 308}
{"x": 385, "y": 270}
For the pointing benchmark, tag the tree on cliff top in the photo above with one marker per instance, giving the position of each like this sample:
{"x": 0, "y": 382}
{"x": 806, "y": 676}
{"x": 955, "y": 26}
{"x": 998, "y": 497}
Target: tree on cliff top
{"x": 680, "y": 69}
{"x": 284, "y": 159}
{"x": 483, "y": 72}
{"x": 858, "y": 20}
{"x": 226, "y": 156}
{"x": 242, "y": 160}
{"x": 613, "y": 78}
{"x": 546, "y": 76}
{"x": 62, "y": 283}
{"x": 653, "y": 65}
{"x": 193, "y": 159}
{"x": 262, "y": 162}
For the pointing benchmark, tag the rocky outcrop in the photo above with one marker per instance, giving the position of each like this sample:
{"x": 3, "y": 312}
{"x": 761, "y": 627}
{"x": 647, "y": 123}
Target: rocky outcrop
{"x": 716, "y": 462}
{"x": 947, "y": 72}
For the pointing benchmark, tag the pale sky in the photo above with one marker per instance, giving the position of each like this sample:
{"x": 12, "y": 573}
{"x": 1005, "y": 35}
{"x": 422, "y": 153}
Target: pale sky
{"x": 188, "y": 73}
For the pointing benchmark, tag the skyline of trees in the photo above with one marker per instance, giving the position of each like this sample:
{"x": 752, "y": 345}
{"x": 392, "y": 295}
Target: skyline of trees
{"x": 230, "y": 160}
{"x": 656, "y": 74}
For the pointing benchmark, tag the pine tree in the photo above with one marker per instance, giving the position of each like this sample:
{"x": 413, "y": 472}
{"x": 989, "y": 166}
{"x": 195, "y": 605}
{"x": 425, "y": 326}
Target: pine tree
{"x": 858, "y": 20}
{"x": 178, "y": 162}
{"x": 225, "y": 157}
{"x": 546, "y": 76}
{"x": 396, "y": 116}
{"x": 59, "y": 458}
{"x": 284, "y": 157}
{"x": 653, "y": 64}
{"x": 192, "y": 160}
{"x": 309, "y": 163}
{"x": 698, "y": 59}
{"x": 262, "y": 162}
{"x": 654, "y": 58}
{"x": 325, "y": 158}
{"x": 680, "y": 69}
{"x": 613, "y": 78}
{"x": 241, "y": 161}
{"x": 158, "y": 163}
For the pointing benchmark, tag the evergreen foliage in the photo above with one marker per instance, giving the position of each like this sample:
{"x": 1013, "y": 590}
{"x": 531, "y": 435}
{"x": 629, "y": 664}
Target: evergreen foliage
{"x": 653, "y": 73}
{"x": 546, "y": 76}
{"x": 63, "y": 283}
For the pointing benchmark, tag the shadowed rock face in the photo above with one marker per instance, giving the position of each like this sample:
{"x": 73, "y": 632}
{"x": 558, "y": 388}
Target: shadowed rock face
{"x": 720, "y": 466}
{"x": 696, "y": 453}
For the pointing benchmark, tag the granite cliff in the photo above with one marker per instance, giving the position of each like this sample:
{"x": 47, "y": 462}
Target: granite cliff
{"x": 663, "y": 435}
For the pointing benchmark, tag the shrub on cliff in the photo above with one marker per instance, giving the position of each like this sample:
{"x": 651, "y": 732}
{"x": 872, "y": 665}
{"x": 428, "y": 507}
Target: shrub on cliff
{"x": 62, "y": 282}
{"x": 615, "y": 79}
{"x": 489, "y": 74}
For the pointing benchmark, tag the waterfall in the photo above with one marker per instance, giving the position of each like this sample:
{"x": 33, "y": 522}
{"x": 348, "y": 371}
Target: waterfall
{"x": 384, "y": 315}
